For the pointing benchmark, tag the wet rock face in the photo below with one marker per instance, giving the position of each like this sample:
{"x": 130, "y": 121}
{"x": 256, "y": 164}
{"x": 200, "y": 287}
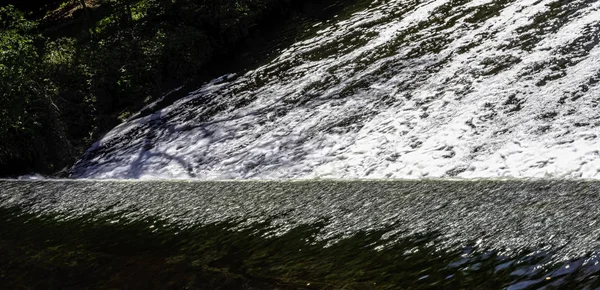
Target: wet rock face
{"x": 390, "y": 89}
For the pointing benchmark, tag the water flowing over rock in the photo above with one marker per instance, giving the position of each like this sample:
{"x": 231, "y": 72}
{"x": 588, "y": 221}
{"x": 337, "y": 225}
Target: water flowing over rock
{"x": 395, "y": 89}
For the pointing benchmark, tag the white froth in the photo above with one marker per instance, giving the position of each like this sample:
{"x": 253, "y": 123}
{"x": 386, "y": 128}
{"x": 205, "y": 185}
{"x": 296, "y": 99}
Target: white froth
{"x": 387, "y": 104}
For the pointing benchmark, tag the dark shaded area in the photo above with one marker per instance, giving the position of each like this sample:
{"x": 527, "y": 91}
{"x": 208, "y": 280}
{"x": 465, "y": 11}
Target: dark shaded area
{"x": 99, "y": 252}
{"x": 273, "y": 33}
{"x": 35, "y": 8}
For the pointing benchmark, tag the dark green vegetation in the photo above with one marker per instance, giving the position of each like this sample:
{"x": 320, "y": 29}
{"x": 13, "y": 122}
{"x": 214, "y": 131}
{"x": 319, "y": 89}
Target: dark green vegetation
{"x": 72, "y": 70}
{"x": 110, "y": 252}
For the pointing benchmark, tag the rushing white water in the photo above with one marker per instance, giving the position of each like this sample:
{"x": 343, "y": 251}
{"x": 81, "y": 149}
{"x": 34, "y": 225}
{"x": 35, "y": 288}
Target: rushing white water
{"x": 400, "y": 89}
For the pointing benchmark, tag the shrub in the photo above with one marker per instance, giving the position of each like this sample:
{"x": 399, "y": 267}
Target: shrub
{"x": 29, "y": 123}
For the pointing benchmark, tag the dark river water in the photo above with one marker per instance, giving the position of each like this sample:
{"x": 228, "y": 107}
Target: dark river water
{"x": 320, "y": 234}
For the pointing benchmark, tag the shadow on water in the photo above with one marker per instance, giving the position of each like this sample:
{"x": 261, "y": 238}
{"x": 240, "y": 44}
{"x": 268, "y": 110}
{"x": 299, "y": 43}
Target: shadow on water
{"x": 107, "y": 251}
{"x": 257, "y": 50}
{"x": 264, "y": 45}
{"x": 146, "y": 152}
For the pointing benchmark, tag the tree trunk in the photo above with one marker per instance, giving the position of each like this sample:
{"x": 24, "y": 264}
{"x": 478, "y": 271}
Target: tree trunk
{"x": 129, "y": 14}
{"x": 87, "y": 16}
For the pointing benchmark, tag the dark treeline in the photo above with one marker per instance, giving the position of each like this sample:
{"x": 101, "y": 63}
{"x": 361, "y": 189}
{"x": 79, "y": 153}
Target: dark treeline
{"x": 72, "y": 70}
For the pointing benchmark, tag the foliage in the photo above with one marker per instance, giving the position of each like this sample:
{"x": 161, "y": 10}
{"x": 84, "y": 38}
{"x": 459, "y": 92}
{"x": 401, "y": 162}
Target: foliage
{"x": 27, "y": 113}
{"x": 18, "y": 59}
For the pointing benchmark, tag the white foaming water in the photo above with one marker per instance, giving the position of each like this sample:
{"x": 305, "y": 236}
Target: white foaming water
{"x": 401, "y": 89}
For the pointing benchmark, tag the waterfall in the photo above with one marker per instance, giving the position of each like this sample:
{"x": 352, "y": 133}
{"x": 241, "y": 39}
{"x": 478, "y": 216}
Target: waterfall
{"x": 395, "y": 89}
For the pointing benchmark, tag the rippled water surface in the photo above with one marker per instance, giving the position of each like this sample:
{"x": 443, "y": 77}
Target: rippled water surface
{"x": 292, "y": 235}
{"x": 390, "y": 89}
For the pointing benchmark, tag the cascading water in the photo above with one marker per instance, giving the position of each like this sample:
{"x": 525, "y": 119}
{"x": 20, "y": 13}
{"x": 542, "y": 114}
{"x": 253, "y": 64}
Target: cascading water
{"x": 399, "y": 89}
